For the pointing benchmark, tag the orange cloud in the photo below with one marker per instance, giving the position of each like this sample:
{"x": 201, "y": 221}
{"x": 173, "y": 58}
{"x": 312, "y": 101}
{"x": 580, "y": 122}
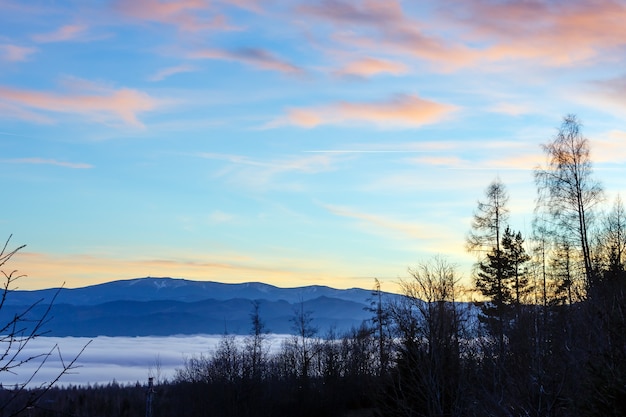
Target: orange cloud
{"x": 124, "y": 104}
{"x": 258, "y": 58}
{"x": 44, "y": 270}
{"x": 368, "y": 67}
{"x": 400, "y": 111}
{"x": 14, "y": 53}
{"x": 64, "y": 33}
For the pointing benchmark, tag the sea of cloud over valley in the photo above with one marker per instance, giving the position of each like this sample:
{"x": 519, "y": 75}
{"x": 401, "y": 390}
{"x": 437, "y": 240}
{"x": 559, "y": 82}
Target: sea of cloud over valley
{"x": 125, "y": 360}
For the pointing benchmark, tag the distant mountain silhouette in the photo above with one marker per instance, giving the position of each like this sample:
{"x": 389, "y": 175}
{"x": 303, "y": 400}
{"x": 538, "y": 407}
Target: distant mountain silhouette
{"x": 168, "y": 306}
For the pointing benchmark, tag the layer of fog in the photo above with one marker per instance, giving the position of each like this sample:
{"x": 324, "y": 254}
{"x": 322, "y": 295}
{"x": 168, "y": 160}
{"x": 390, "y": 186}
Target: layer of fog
{"x": 125, "y": 360}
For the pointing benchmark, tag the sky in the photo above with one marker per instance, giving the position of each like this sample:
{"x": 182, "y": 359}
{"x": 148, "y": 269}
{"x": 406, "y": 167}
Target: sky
{"x": 292, "y": 142}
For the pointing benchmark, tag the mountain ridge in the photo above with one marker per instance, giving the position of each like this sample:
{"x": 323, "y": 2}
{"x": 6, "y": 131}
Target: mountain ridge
{"x": 151, "y": 288}
{"x": 173, "y": 306}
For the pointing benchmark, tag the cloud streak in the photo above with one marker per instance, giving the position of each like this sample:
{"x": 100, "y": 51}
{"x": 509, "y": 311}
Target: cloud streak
{"x": 185, "y": 15}
{"x": 164, "y": 73}
{"x": 409, "y": 230}
{"x": 255, "y": 57}
{"x": 369, "y": 67}
{"x": 405, "y": 111}
{"x": 384, "y": 25}
{"x": 63, "y": 34}
{"x": 477, "y": 32}
{"x": 551, "y": 33}
{"x": 102, "y": 105}
{"x": 260, "y": 174}
{"x": 44, "y": 161}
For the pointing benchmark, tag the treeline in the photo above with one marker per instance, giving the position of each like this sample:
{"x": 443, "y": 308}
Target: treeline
{"x": 540, "y": 332}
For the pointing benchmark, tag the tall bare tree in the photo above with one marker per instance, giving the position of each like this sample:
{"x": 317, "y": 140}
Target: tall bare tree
{"x": 303, "y": 339}
{"x": 255, "y": 352}
{"x": 429, "y": 376}
{"x": 568, "y": 191}
{"x": 485, "y": 239}
{"x": 381, "y": 321}
{"x": 489, "y": 219}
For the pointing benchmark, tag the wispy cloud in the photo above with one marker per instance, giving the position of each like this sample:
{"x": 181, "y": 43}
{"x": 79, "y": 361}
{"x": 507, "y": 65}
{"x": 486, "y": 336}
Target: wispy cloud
{"x": 101, "y": 104}
{"x": 309, "y": 164}
{"x": 255, "y": 57}
{"x": 369, "y": 67}
{"x": 609, "y": 147}
{"x": 408, "y": 111}
{"x": 62, "y": 34}
{"x": 608, "y": 94}
{"x": 259, "y": 174}
{"x": 410, "y": 230}
{"x": 511, "y": 109}
{"x": 552, "y": 33}
{"x": 18, "y": 112}
{"x": 164, "y": 73}
{"x": 186, "y": 15}
{"x": 384, "y": 25}
{"x": 477, "y": 32}
{"x": 44, "y": 161}
{"x": 15, "y": 53}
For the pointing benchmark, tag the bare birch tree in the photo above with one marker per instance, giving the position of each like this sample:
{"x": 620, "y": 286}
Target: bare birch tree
{"x": 568, "y": 191}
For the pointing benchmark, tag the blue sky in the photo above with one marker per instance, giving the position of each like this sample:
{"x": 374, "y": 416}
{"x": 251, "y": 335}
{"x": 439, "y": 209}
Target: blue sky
{"x": 285, "y": 141}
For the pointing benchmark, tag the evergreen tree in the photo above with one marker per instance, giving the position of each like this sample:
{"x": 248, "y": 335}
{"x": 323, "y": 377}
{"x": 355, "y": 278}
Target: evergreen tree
{"x": 514, "y": 252}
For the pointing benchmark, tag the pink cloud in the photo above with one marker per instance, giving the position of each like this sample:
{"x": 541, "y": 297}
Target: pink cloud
{"x": 400, "y": 111}
{"x": 186, "y": 15}
{"x": 368, "y": 67}
{"x": 556, "y": 33}
{"x": 14, "y": 53}
{"x": 383, "y": 24}
{"x": 43, "y": 161}
{"x": 123, "y": 104}
{"x": 454, "y": 35}
{"x": 64, "y": 33}
{"x": 255, "y": 57}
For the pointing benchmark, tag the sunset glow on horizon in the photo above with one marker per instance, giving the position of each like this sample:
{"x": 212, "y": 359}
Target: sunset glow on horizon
{"x": 287, "y": 141}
